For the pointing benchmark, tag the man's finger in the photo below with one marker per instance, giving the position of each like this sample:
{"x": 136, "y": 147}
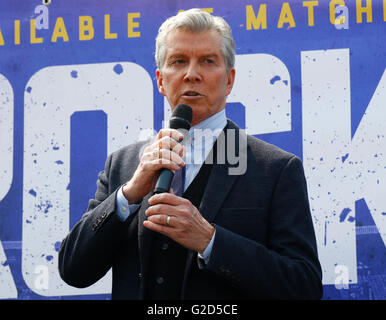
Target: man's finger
{"x": 162, "y": 219}
{"x": 158, "y": 209}
{"x": 157, "y": 164}
{"x": 170, "y": 155}
{"x": 173, "y": 133}
{"x": 171, "y": 144}
{"x": 166, "y": 198}
{"x": 165, "y": 230}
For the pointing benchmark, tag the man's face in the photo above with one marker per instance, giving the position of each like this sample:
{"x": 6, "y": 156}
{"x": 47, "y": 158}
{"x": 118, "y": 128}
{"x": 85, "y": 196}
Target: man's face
{"x": 194, "y": 73}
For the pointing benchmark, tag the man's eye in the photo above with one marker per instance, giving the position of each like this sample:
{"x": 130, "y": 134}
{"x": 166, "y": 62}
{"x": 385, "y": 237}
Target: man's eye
{"x": 209, "y": 61}
{"x": 179, "y": 61}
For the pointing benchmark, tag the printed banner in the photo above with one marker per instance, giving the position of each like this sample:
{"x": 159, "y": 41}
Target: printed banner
{"x": 77, "y": 82}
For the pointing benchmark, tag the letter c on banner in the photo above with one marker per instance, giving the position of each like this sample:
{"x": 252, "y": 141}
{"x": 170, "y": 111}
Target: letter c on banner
{"x": 263, "y": 86}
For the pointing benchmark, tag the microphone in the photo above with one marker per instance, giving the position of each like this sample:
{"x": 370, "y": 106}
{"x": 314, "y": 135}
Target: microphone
{"x": 181, "y": 119}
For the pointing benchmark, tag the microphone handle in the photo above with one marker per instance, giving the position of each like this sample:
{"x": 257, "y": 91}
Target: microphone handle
{"x": 164, "y": 181}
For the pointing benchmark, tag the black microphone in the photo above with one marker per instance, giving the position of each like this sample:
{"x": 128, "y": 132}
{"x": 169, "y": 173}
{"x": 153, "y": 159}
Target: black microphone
{"x": 181, "y": 119}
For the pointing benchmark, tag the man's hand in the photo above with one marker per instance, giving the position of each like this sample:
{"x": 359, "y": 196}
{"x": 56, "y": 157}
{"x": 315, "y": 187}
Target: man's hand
{"x": 164, "y": 152}
{"x": 186, "y": 225}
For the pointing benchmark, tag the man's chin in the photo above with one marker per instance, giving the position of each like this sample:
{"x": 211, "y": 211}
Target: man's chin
{"x": 198, "y": 118}
{"x": 199, "y": 113}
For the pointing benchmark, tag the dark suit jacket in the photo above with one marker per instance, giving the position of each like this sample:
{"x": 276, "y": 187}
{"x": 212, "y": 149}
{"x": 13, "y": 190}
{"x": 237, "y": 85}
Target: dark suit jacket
{"x": 264, "y": 246}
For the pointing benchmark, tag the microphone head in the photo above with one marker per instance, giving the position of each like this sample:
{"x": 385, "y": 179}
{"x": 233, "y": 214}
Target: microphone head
{"x": 181, "y": 117}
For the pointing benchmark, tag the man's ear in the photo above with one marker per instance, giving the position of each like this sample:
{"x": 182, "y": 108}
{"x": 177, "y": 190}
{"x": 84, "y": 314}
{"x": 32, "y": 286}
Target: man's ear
{"x": 231, "y": 80}
{"x": 160, "y": 86}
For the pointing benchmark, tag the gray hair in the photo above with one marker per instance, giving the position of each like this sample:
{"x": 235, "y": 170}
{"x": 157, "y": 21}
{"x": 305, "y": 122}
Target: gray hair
{"x": 196, "y": 20}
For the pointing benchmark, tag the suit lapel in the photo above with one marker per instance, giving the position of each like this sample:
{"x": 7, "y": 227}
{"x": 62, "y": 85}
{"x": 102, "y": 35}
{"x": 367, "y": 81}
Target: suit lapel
{"x": 220, "y": 181}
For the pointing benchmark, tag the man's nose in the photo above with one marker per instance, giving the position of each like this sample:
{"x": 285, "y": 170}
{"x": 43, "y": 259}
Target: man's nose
{"x": 192, "y": 73}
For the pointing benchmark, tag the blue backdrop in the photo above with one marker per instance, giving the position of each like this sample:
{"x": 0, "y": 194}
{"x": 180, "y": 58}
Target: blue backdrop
{"x": 77, "y": 81}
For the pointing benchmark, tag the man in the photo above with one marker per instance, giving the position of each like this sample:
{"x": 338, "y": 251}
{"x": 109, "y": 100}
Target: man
{"x": 246, "y": 236}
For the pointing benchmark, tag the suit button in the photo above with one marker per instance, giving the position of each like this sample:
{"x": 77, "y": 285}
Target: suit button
{"x": 160, "y": 280}
{"x": 140, "y": 276}
{"x": 221, "y": 269}
{"x": 165, "y": 246}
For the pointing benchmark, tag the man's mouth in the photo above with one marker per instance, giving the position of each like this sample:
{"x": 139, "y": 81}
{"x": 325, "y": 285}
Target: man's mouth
{"x": 191, "y": 94}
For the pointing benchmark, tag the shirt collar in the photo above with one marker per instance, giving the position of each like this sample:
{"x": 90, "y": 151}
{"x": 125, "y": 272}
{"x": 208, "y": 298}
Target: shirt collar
{"x": 215, "y": 123}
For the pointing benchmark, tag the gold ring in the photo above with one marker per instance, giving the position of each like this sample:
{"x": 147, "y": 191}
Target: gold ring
{"x": 156, "y": 153}
{"x": 168, "y": 221}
